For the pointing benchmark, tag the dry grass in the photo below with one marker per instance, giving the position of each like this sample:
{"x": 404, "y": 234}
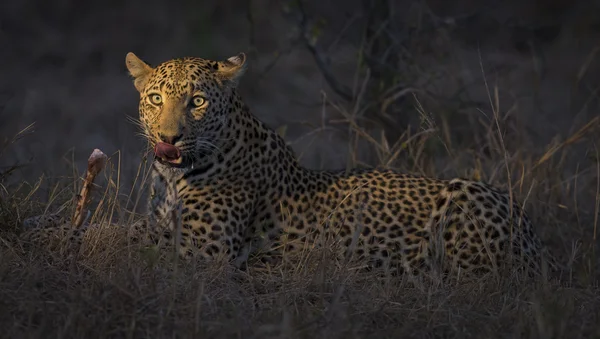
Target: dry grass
{"x": 116, "y": 293}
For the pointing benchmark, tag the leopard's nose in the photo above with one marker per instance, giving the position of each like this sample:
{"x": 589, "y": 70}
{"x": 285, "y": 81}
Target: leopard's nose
{"x": 170, "y": 139}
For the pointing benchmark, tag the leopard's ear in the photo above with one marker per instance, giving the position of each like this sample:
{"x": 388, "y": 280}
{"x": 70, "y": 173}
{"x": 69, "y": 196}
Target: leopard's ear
{"x": 232, "y": 69}
{"x": 139, "y": 70}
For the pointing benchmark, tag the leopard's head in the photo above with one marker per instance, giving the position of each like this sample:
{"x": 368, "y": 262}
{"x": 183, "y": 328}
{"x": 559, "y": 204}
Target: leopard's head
{"x": 184, "y": 104}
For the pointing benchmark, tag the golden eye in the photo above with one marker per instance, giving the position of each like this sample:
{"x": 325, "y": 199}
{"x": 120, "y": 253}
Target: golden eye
{"x": 198, "y": 101}
{"x": 156, "y": 99}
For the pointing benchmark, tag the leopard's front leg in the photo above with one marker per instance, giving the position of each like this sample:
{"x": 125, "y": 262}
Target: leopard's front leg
{"x": 199, "y": 220}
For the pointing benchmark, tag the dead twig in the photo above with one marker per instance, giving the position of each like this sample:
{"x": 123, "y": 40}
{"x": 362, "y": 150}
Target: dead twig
{"x": 96, "y": 163}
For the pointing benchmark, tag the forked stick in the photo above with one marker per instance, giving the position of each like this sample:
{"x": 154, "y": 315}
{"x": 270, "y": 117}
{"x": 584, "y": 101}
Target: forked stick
{"x": 96, "y": 163}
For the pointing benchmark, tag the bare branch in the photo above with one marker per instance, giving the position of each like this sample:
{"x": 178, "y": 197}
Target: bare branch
{"x": 337, "y": 87}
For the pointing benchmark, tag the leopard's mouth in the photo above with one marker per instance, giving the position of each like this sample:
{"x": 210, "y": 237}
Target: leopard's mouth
{"x": 168, "y": 154}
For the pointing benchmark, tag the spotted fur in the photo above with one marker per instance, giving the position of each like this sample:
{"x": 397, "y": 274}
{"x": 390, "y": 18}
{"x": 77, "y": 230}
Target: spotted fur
{"x": 239, "y": 189}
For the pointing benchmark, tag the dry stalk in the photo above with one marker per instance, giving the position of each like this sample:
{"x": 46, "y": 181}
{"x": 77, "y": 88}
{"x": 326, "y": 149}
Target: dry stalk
{"x": 96, "y": 163}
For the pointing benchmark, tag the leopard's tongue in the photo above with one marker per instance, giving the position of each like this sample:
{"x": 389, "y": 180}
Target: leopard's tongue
{"x": 167, "y": 152}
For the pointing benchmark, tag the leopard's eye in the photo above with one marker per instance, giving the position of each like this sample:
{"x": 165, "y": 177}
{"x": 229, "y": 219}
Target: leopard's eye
{"x": 198, "y": 101}
{"x": 156, "y": 99}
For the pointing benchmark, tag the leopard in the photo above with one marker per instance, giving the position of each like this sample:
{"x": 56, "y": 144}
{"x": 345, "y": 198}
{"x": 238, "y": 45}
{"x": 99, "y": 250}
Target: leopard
{"x": 226, "y": 185}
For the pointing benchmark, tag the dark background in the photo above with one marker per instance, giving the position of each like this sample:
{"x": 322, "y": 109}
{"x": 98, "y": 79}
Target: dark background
{"x": 63, "y": 70}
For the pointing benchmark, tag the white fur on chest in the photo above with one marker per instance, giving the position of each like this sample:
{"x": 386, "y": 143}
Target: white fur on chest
{"x": 165, "y": 204}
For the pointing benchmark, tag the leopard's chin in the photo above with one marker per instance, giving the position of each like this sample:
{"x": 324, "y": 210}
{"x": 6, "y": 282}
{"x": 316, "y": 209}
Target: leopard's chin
{"x": 181, "y": 162}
